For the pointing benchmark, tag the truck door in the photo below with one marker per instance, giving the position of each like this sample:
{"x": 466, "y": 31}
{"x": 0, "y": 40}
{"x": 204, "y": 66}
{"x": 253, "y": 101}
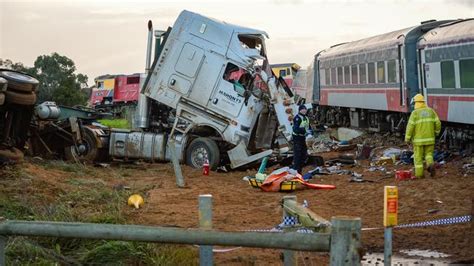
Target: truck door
{"x": 228, "y": 96}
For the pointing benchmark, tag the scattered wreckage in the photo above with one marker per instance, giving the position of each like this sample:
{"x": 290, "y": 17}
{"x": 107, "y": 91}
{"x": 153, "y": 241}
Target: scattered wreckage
{"x": 45, "y": 130}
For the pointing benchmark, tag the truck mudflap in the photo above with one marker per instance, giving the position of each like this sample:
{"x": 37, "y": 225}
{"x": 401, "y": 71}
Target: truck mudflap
{"x": 240, "y": 156}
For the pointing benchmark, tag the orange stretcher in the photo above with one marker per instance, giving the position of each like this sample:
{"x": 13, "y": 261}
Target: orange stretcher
{"x": 273, "y": 182}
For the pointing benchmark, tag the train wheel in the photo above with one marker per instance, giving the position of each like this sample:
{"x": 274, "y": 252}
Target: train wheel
{"x": 199, "y": 150}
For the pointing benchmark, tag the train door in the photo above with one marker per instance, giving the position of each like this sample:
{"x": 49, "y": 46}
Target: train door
{"x": 316, "y": 85}
{"x": 401, "y": 68}
{"x": 422, "y": 71}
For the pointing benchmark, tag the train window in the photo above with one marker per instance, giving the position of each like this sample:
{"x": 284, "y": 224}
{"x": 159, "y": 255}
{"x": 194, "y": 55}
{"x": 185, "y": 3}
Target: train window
{"x": 381, "y": 72}
{"x": 283, "y": 73}
{"x": 447, "y": 74}
{"x": 371, "y": 71}
{"x": 333, "y": 76}
{"x": 354, "y": 74}
{"x": 288, "y": 71}
{"x": 347, "y": 75}
{"x": 339, "y": 76}
{"x": 392, "y": 71}
{"x": 100, "y": 85}
{"x": 362, "y": 74}
{"x": 326, "y": 74}
{"x": 133, "y": 80}
{"x": 466, "y": 69}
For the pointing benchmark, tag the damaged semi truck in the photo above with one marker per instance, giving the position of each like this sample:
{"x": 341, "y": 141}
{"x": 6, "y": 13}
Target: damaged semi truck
{"x": 209, "y": 93}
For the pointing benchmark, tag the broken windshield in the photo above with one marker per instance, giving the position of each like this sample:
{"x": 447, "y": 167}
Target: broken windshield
{"x": 252, "y": 42}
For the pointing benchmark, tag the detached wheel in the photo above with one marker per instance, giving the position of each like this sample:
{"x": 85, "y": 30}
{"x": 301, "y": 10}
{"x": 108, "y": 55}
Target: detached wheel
{"x": 200, "y": 149}
{"x": 20, "y": 98}
{"x": 2, "y": 98}
{"x": 19, "y": 81}
{"x": 87, "y": 151}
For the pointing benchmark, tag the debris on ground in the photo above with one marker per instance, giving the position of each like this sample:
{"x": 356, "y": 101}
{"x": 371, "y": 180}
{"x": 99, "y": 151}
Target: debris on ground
{"x": 347, "y": 134}
{"x": 468, "y": 169}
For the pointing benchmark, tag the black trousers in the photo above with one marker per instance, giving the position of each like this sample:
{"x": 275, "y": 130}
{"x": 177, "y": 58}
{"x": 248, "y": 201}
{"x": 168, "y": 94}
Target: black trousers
{"x": 300, "y": 153}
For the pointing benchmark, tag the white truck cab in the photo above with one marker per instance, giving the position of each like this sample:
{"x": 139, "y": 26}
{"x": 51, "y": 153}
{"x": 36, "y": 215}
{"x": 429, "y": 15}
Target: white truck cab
{"x": 211, "y": 89}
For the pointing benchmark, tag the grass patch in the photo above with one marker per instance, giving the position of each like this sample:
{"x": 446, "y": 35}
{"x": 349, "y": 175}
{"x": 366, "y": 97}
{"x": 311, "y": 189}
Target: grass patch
{"x": 11, "y": 208}
{"x": 76, "y": 169}
{"x": 127, "y": 253}
{"x": 87, "y": 200}
{"x": 116, "y": 123}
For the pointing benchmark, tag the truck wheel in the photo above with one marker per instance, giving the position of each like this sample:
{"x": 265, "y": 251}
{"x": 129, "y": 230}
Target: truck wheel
{"x": 20, "y": 98}
{"x": 12, "y": 154}
{"x": 18, "y": 81}
{"x": 2, "y": 98}
{"x": 201, "y": 148}
{"x": 85, "y": 152}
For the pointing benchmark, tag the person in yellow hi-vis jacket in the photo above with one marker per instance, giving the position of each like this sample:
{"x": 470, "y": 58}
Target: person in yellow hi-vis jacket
{"x": 423, "y": 126}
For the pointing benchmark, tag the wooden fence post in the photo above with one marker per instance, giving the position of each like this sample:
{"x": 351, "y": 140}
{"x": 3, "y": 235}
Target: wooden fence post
{"x": 3, "y": 247}
{"x": 345, "y": 241}
{"x": 205, "y": 222}
{"x": 289, "y": 256}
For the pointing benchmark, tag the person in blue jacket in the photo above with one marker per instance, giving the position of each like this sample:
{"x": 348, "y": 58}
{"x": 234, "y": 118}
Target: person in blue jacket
{"x": 301, "y": 128}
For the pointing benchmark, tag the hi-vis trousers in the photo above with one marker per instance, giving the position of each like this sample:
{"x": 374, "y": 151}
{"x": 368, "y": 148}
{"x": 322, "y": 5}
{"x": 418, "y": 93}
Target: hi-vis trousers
{"x": 422, "y": 152}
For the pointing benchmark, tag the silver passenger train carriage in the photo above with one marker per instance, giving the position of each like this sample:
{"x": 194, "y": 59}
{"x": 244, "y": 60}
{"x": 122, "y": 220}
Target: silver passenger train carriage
{"x": 369, "y": 83}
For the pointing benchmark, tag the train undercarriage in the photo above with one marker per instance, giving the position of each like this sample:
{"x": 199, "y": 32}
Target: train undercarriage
{"x": 453, "y": 135}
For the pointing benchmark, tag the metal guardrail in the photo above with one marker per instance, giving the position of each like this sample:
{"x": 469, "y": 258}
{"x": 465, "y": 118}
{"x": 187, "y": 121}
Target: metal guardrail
{"x": 342, "y": 242}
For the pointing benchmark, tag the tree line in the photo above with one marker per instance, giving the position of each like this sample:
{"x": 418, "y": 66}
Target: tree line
{"x": 58, "y": 79}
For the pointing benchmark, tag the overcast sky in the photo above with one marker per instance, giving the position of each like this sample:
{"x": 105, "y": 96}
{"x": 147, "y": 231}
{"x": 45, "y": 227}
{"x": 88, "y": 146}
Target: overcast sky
{"x": 110, "y": 36}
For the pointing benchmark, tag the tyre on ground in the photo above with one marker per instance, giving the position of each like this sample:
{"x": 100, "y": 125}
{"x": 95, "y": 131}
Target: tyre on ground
{"x": 18, "y": 81}
{"x": 20, "y": 98}
{"x": 13, "y": 154}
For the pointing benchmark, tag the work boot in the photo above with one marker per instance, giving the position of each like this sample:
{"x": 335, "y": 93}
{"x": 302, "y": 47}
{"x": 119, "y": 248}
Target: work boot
{"x": 432, "y": 170}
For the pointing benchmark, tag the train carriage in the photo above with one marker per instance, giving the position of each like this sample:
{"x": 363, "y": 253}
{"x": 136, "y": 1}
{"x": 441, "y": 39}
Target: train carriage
{"x": 447, "y": 70}
{"x": 368, "y": 83}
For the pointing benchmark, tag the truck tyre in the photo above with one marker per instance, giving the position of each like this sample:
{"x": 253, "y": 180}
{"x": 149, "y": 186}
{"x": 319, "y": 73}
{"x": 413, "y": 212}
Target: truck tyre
{"x": 201, "y": 148}
{"x": 20, "y": 98}
{"x": 2, "y": 98}
{"x": 90, "y": 149}
{"x": 12, "y": 154}
{"x": 18, "y": 81}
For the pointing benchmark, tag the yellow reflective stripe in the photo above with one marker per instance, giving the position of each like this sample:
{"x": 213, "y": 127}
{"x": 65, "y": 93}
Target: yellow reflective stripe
{"x": 411, "y": 122}
{"x": 423, "y": 140}
{"x": 423, "y": 120}
{"x": 419, "y": 166}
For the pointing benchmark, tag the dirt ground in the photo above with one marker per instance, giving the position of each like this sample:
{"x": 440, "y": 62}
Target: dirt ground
{"x": 238, "y": 206}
